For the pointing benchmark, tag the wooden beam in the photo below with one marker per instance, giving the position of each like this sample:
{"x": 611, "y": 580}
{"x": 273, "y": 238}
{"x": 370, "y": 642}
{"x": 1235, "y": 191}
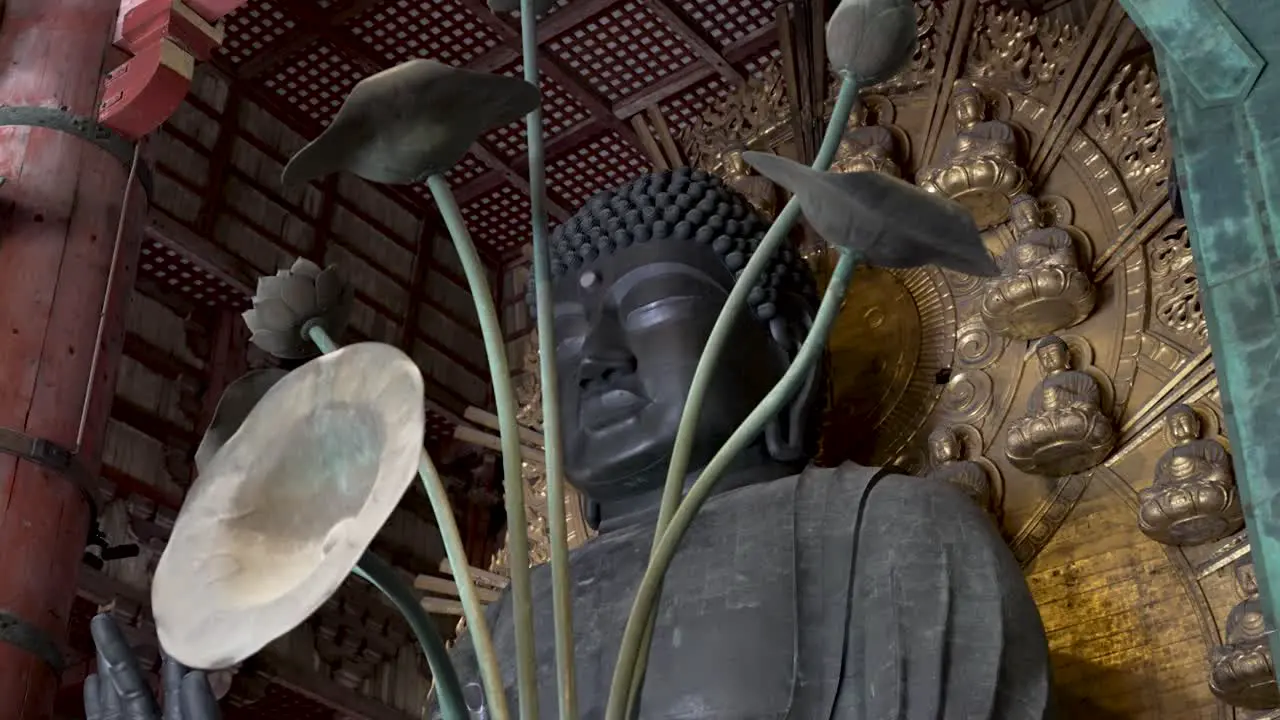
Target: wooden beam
{"x": 756, "y": 43}
{"x": 486, "y": 419}
{"x": 298, "y": 39}
{"x": 672, "y": 151}
{"x": 678, "y": 22}
{"x": 219, "y": 161}
{"x": 408, "y": 326}
{"x": 201, "y": 253}
{"x": 649, "y": 143}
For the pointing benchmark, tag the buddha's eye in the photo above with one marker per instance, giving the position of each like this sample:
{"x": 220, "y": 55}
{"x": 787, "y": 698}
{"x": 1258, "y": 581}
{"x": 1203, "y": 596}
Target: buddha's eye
{"x": 571, "y": 331}
{"x": 668, "y": 309}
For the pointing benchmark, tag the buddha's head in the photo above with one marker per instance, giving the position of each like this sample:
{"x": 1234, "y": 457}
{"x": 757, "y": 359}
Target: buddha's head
{"x": 969, "y": 105}
{"x": 1052, "y": 354}
{"x": 1026, "y": 214}
{"x": 1183, "y": 424}
{"x": 640, "y": 276}
{"x": 944, "y": 445}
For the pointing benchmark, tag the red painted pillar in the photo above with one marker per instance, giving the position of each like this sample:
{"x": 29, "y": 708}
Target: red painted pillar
{"x": 65, "y": 195}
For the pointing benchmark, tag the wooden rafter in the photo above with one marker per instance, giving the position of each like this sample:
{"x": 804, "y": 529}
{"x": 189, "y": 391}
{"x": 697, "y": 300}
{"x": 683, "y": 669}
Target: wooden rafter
{"x": 753, "y": 44}
{"x": 574, "y": 136}
{"x": 550, "y": 66}
{"x": 678, "y": 22}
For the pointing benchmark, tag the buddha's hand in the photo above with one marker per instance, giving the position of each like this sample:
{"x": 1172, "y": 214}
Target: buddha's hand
{"x": 119, "y": 690}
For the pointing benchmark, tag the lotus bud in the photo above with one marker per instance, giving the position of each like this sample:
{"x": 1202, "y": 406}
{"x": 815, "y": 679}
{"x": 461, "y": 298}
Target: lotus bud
{"x": 871, "y": 40}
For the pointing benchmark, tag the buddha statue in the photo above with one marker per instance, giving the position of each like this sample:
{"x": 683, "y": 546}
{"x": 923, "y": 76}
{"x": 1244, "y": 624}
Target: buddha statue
{"x": 866, "y": 148}
{"x": 1193, "y": 499}
{"x": 1065, "y": 429}
{"x": 980, "y": 169}
{"x": 1241, "y": 671}
{"x": 950, "y": 465}
{"x": 786, "y": 595}
{"x": 761, "y": 191}
{"x": 1041, "y": 288}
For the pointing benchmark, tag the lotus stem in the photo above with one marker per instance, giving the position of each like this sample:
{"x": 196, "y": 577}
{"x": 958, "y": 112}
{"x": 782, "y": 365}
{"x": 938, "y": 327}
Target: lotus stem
{"x": 371, "y": 568}
{"x": 472, "y": 608}
{"x": 561, "y": 600}
{"x": 749, "y": 430}
{"x": 683, "y": 447}
{"x": 512, "y": 481}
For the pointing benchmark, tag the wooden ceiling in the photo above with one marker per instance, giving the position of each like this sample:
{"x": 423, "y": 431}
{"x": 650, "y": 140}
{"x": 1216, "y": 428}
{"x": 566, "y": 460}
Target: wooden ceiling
{"x": 607, "y": 67}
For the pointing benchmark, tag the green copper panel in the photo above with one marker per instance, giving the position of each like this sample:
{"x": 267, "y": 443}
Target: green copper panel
{"x": 1218, "y": 72}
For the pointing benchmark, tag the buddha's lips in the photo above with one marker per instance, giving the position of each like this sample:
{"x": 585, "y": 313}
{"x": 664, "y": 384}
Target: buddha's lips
{"x": 600, "y": 410}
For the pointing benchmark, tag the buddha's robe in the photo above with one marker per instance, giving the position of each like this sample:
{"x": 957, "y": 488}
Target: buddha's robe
{"x": 828, "y": 594}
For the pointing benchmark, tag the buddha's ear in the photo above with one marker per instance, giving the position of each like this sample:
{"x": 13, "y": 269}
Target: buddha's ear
{"x": 786, "y": 435}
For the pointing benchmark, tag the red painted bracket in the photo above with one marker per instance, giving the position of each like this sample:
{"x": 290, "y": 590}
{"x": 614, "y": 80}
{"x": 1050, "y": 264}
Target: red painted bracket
{"x": 144, "y": 91}
{"x": 165, "y": 39}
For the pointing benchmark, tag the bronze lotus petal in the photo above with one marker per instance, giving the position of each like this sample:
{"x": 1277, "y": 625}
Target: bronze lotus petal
{"x": 237, "y": 401}
{"x": 539, "y": 6}
{"x": 412, "y": 121}
{"x": 871, "y": 40}
{"x": 287, "y": 301}
{"x": 890, "y": 223}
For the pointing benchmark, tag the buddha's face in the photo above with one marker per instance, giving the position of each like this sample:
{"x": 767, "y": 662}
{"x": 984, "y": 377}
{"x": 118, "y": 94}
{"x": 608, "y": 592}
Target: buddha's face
{"x": 1183, "y": 425}
{"x": 968, "y": 109}
{"x": 1053, "y": 357}
{"x": 630, "y": 328}
{"x": 945, "y": 447}
{"x": 1026, "y": 216}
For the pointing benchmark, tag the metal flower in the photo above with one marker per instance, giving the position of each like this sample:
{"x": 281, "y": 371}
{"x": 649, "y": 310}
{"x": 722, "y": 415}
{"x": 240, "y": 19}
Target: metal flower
{"x": 412, "y": 121}
{"x": 890, "y": 223}
{"x": 539, "y": 6}
{"x": 288, "y": 300}
{"x": 871, "y": 40}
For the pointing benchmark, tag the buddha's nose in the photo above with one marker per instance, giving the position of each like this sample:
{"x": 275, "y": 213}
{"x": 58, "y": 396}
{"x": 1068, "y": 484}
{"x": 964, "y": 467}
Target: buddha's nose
{"x": 603, "y": 367}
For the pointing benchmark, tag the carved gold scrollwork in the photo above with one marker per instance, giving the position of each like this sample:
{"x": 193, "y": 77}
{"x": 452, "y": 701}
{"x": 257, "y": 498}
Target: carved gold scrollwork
{"x": 1012, "y": 48}
{"x": 976, "y": 345}
{"x": 1128, "y": 124}
{"x": 1175, "y": 289}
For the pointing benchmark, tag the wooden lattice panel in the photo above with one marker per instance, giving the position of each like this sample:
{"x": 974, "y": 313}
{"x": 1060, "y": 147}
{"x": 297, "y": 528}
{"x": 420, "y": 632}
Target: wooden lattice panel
{"x": 689, "y": 106}
{"x": 623, "y": 50}
{"x": 168, "y": 269}
{"x": 467, "y": 169}
{"x": 602, "y": 164}
{"x": 728, "y": 21}
{"x": 499, "y": 218}
{"x": 315, "y": 81}
{"x": 401, "y": 30}
{"x": 252, "y": 28}
{"x": 758, "y": 64}
{"x": 560, "y": 112}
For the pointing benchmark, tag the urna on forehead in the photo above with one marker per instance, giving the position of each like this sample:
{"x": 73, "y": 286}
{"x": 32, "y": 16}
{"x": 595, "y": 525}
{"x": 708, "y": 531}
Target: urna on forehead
{"x": 679, "y": 206}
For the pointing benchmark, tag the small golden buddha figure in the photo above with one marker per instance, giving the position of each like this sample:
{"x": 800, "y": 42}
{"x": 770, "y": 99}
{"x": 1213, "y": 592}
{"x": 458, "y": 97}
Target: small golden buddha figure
{"x": 1065, "y": 429}
{"x": 1042, "y": 288}
{"x": 865, "y": 147}
{"x": 950, "y": 465}
{"x": 1193, "y": 499}
{"x": 760, "y": 191}
{"x": 1242, "y": 672}
{"x": 980, "y": 169}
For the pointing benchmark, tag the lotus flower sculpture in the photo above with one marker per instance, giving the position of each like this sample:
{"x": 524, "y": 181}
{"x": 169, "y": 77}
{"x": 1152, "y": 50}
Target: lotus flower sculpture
{"x": 871, "y": 40}
{"x": 412, "y": 121}
{"x": 287, "y": 301}
{"x": 887, "y": 222}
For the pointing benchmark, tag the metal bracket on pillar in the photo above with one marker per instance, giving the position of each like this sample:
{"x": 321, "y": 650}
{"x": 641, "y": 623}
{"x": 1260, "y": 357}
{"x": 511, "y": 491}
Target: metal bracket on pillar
{"x": 27, "y": 637}
{"x": 82, "y": 127}
{"x": 54, "y": 457}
